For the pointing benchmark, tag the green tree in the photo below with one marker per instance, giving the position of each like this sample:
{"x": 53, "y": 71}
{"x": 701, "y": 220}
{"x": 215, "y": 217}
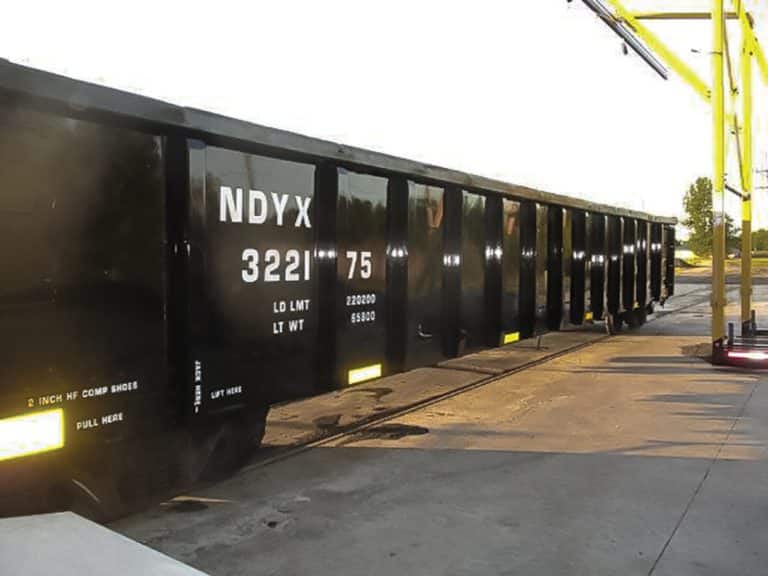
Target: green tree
{"x": 760, "y": 240}
{"x": 698, "y": 208}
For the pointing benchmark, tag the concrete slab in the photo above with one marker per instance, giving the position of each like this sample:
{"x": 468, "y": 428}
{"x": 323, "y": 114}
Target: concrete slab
{"x": 725, "y": 530}
{"x": 67, "y": 545}
{"x": 507, "y": 358}
{"x": 297, "y": 423}
{"x": 630, "y": 456}
{"x": 302, "y": 422}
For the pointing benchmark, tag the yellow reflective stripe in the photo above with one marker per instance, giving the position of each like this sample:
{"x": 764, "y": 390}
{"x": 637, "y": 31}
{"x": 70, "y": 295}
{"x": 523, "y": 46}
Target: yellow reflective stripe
{"x": 31, "y": 434}
{"x": 511, "y": 337}
{"x": 365, "y": 373}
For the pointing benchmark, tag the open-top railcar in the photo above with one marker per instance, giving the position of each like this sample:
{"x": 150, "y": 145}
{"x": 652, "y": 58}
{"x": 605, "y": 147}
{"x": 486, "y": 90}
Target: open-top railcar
{"x": 167, "y": 274}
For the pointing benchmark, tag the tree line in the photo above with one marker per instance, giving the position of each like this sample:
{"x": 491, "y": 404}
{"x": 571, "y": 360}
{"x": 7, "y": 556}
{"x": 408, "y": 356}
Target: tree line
{"x": 698, "y": 209}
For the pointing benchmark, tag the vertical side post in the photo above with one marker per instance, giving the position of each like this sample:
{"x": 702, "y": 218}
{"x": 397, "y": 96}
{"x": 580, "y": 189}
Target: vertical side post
{"x": 747, "y": 52}
{"x": 718, "y": 180}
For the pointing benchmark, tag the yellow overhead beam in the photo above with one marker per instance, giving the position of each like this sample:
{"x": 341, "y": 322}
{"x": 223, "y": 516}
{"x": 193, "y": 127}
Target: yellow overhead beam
{"x": 762, "y": 63}
{"x": 681, "y": 15}
{"x": 731, "y": 117}
{"x": 662, "y": 50}
{"x": 747, "y": 28}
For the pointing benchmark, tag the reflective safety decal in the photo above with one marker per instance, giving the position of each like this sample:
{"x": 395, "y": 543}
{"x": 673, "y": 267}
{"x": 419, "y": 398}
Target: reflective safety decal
{"x": 31, "y": 434}
{"x": 365, "y": 373}
{"x": 511, "y": 337}
{"x": 588, "y": 316}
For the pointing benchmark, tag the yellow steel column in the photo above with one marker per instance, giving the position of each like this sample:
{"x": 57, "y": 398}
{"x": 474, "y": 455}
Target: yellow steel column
{"x": 746, "y": 200}
{"x": 718, "y": 179}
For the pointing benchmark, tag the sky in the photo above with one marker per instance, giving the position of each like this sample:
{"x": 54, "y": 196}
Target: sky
{"x": 534, "y": 92}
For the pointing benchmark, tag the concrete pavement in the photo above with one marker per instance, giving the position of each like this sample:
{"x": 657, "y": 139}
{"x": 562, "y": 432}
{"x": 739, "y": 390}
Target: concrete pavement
{"x": 629, "y": 456}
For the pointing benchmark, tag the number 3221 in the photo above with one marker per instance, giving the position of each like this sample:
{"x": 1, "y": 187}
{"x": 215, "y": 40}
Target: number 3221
{"x": 297, "y": 266}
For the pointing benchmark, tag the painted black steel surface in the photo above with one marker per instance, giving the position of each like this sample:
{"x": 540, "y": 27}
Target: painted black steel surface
{"x": 511, "y": 247}
{"x": 169, "y": 268}
{"x": 628, "y": 265}
{"x": 555, "y": 270}
{"x": 568, "y": 286}
{"x": 543, "y": 260}
{"x": 669, "y": 260}
{"x": 494, "y": 262}
{"x": 252, "y": 279}
{"x": 426, "y": 231}
{"x": 82, "y": 254}
{"x": 598, "y": 264}
{"x": 587, "y": 257}
{"x": 641, "y": 243}
{"x": 361, "y": 255}
{"x": 71, "y": 97}
{"x": 473, "y": 270}
{"x": 615, "y": 252}
{"x": 578, "y": 268}
{"x": 528, "y": 268}
{"x": 452, "y": 337}
{"x": 656, "y": 258}
{"x": 397, "y": 274}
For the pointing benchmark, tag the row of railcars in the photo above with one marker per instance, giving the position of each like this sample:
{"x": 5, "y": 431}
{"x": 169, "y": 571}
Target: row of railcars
{"x": 168, "y": 274}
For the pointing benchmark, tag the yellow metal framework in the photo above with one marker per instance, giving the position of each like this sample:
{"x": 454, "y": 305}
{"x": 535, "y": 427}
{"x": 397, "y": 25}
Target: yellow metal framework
{"x": 741, "y": 123}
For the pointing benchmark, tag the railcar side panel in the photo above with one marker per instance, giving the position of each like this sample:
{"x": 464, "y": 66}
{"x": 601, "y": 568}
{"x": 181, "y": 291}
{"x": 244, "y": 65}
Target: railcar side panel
{"x": 587, "y": 257}
{"x": 669, "y": 254}
{"x": 642, "y": 264}
{"x": 542, "y": 267}
{"x": 568, "y": 275}
{"x": 253, "y": 305}
{"x": 578, "y": 286}
{"x": 554, "y": 271}
{"x": 597, "y": 259}
{"x": 656, "y": 258}
{"x": 426, "y": 228}
{"x": 82, "y": 254}
{"x": 528, "y": 268}
{"x": 494, "y": 261}
{"x": 512, "y": 258}
{"x": 473, "y": 270}
{"x": 628, "y": 265}
{"x": 615, "y": 251}
{"x": 361, "y": 256}
{"x": 397, "y": 308}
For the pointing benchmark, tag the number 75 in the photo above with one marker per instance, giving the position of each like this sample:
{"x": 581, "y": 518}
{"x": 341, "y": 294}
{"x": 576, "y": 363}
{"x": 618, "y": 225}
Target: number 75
{"x": 365, "y": 264}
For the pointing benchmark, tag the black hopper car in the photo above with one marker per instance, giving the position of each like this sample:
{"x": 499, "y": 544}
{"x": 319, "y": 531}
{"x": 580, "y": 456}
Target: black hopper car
{"x": 168, "y": 274}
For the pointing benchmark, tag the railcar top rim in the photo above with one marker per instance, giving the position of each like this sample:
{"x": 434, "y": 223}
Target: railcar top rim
{"x": 84, "y": 98}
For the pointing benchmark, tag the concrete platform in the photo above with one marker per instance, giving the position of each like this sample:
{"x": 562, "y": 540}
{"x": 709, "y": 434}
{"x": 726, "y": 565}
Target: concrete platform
{"x": 628, "y": 456}
{"x": 298, "y": 423}
{"x": 508, "y": 358}
{"x": 67, "y": 545}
